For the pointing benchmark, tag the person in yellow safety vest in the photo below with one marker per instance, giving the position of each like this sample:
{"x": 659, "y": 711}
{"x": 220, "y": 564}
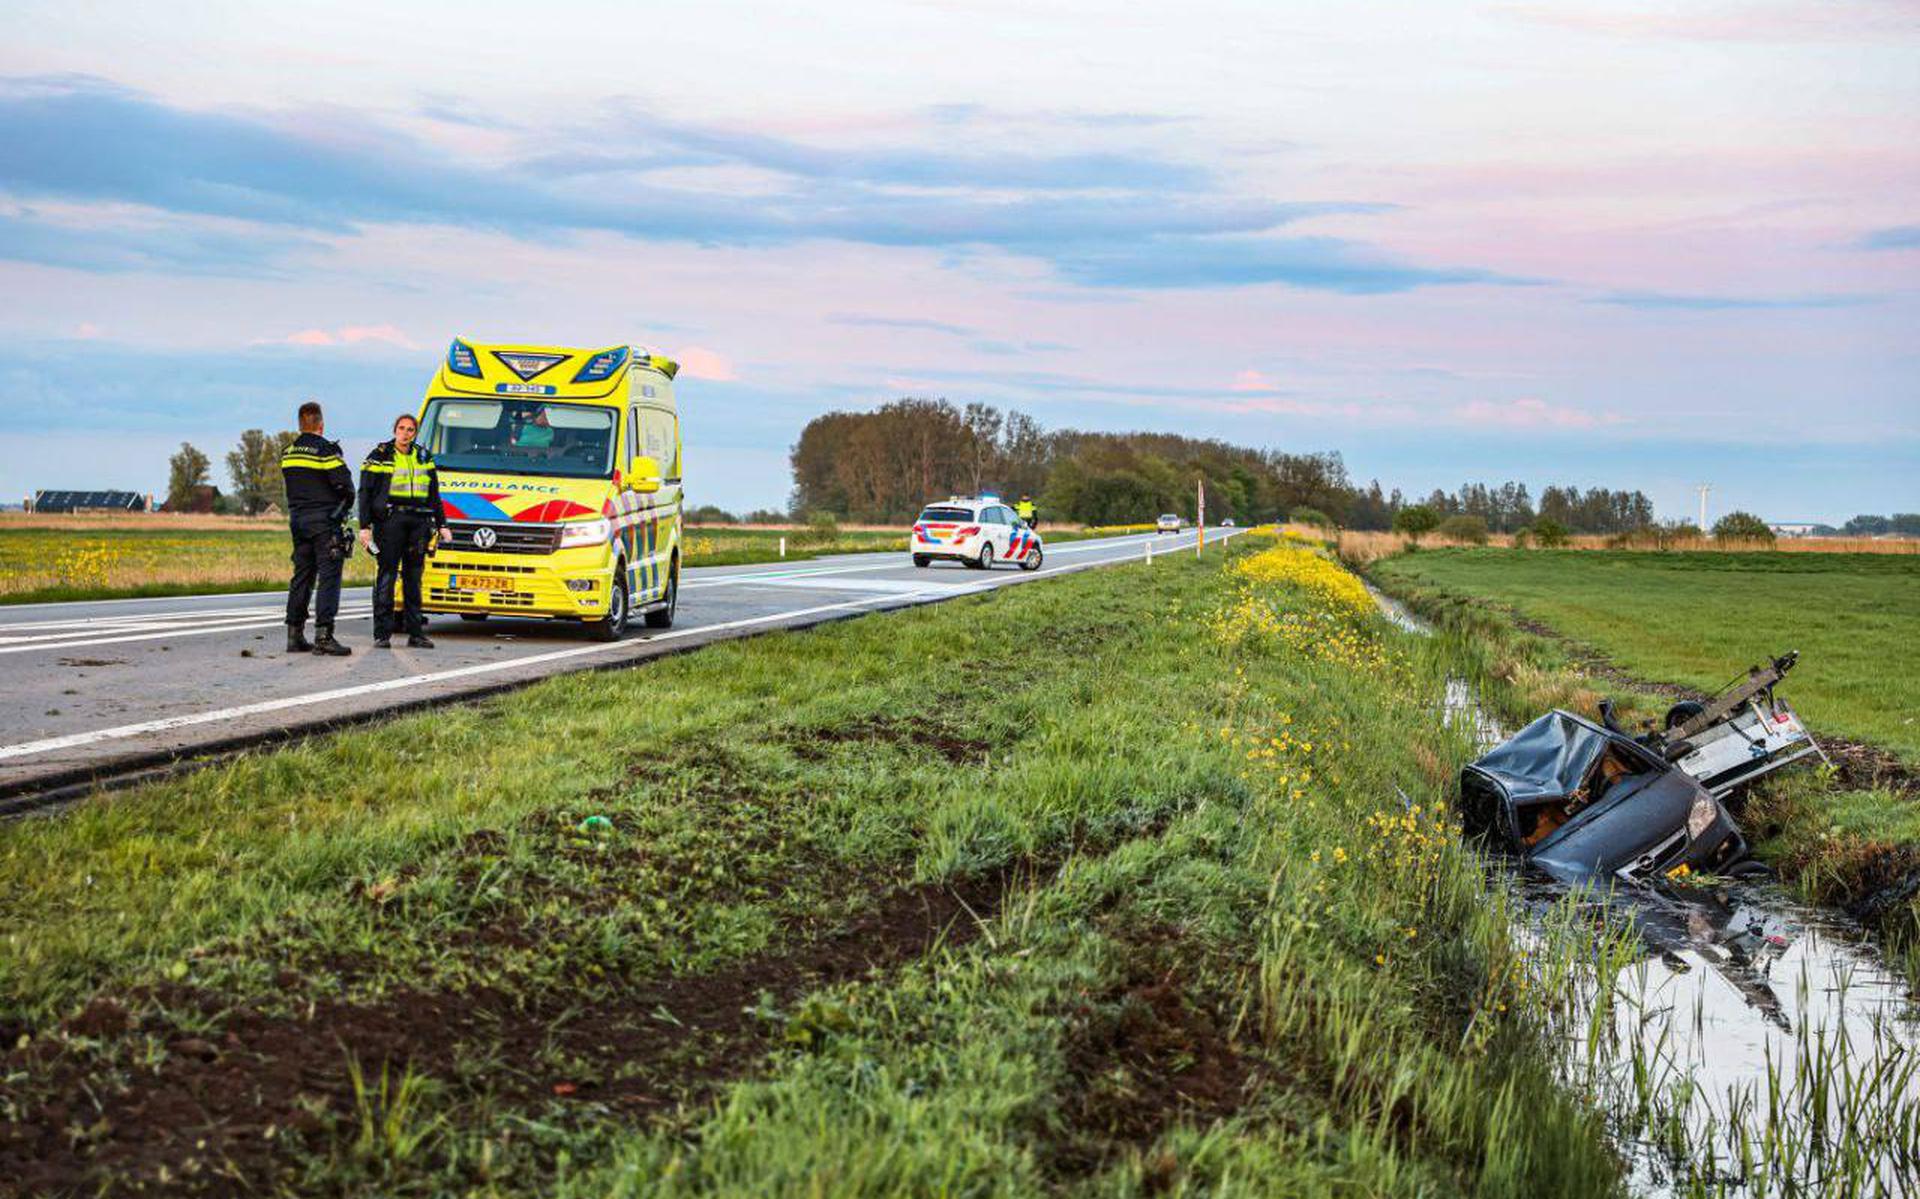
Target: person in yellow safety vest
{"x": 400, "y": 515}
{"x": 319, "y": 497}
{"x": 1025, "y": 510}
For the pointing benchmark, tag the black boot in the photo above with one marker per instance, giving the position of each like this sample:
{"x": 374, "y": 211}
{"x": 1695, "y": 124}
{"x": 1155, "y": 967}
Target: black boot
{"x": 297, "y": 642}
{"x": 419, "y": 641}
{"x": 382, "y": 641}
{"x": 323, "y": 643}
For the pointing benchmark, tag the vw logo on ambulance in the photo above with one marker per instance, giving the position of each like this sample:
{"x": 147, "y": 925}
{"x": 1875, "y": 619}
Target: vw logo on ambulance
{"x": 484, "y": 537}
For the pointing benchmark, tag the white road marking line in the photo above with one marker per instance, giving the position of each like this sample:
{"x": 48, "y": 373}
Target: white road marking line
{"x": 144, "y": 626}
{"x": 167, "y": 724}
{"x": 111, "y": 637}
{"x": 137, "y": 618}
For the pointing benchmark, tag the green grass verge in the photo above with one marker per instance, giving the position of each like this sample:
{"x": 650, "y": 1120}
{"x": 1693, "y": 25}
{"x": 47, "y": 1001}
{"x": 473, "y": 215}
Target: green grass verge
{"x": 1197, "y": 943}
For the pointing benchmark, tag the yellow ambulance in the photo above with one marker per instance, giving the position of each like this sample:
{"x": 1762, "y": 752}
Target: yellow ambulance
{"x": 560, "y": 479}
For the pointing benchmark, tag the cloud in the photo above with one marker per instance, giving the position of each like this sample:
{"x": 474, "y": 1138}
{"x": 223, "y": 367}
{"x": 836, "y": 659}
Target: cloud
{"x": 861, "y": 320}
{"x": 1660, "y": 300}
{"x": 697, "y": 362}
{"x": 1101, "y": 219}
{"x": 1014, "y": 348}
{"x": 1319, "y": 263}
{"x": 346, "y": 335}
{"x": 113, "y": 244}
{"x": 1252, "y": 380}
{"x": 1745, "y": 22}
{"x": 1900, "y": 237}
{"x": 1532, "y": 414}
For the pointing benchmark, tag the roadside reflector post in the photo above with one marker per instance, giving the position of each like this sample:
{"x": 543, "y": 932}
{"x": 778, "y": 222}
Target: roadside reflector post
{"x": 783, "y": 547}
{"x": 1149, "y": 551}
{"x": 1200, "y": 525}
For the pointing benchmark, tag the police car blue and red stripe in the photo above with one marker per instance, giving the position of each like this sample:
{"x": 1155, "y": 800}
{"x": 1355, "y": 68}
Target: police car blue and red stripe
{"x": 979, "y": 532}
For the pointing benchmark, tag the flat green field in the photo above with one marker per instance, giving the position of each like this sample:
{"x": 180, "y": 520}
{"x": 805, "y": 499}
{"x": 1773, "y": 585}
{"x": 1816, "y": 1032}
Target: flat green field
{"x": 1698, "y": 619}
{"x": 1128, "y": 903}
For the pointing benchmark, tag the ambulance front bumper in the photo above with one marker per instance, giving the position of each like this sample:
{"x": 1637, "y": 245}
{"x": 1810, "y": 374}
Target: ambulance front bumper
{"x": 572, "y": 583}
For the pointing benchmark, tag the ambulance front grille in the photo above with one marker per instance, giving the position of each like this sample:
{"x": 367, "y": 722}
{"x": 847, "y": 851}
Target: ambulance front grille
{"x": 509, "y": 537}
{"x": 481, "y": 599}
{"x": 492, "y": 568}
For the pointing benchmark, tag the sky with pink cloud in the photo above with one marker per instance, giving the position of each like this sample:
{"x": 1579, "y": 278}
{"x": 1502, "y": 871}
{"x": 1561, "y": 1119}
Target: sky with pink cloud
{"x": 1627, "y": 244}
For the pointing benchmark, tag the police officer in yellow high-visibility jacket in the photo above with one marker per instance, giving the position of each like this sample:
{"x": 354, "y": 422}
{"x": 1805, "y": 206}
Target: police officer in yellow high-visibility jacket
{"x": 1025, "y": 510}
{"x": 400, "y": 516}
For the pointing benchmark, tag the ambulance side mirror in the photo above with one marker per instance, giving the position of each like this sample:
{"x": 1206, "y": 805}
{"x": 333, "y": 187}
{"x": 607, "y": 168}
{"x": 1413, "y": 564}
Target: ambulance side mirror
{"x": 646, "y": 474}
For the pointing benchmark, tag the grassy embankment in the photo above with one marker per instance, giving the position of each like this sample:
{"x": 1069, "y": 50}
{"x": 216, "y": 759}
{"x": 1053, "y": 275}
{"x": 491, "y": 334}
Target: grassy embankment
{"x": 1695, "y": 620}
{"x": 1125, "y": 904}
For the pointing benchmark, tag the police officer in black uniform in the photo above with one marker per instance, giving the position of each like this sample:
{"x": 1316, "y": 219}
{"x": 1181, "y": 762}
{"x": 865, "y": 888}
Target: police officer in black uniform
{"x": 319, "y": 497}
{"x": 400, "y": 516}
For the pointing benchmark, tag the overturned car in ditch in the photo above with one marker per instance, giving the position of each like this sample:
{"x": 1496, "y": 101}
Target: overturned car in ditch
{"x": 1588, "y": 802}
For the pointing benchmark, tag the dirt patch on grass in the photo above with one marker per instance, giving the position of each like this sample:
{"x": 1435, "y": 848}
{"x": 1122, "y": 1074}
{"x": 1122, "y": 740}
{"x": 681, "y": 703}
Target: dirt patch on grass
{"x": 917, "y": 734}
{"x": 1591, "y": 661}
{"x": 1145, "y": 1053}
{"x": 235, "y": 1089}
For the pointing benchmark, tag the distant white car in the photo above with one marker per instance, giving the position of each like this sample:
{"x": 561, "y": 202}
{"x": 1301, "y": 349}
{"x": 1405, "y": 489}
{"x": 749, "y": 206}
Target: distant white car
{"x": 980, "y": 533}
{"x": 1169, "y": 522}
{"x": 1226, "y": 522}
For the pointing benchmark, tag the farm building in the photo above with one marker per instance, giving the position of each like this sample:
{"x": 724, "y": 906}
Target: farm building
{"x": 89, "y": 501}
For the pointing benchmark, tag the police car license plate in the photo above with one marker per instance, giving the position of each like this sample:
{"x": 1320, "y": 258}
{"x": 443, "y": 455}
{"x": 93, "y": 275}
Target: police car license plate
{"x": 481, "y": 583}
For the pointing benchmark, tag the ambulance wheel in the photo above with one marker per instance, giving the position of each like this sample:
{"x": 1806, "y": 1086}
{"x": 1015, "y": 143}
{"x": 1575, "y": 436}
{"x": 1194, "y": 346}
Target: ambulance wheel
{"x": 1684, "y": 711}
{"x": 985, "y": 560}
{"x": 921, "y": 560}
{"x": 474, "y": 617}
{"x": 662, "y": 618}
{"x": 618, "y": 609}
{"x": 1032, "y": 560}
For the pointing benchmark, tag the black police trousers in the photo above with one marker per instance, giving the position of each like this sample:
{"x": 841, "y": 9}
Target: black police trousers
{"x": 316, "y": 569}
{"x": 402, "y": 539}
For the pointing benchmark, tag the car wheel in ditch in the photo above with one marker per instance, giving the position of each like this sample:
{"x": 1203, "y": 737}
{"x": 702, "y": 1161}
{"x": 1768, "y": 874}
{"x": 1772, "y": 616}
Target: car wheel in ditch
{"x": 1684, "y": 711}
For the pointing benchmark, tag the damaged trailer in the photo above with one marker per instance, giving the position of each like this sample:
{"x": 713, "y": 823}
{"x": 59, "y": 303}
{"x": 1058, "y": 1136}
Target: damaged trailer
{"x": 1586, "y": 802}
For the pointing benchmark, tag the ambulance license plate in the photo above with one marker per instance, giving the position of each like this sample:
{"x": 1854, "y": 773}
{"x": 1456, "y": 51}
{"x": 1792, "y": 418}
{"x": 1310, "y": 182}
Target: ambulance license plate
{"x": 481, "y": 583}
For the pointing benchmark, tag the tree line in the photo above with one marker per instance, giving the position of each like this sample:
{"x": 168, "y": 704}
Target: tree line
{"x": 253, "y": 466}
{"x": 1904, "y": 524}
{"x": 882, "y": 466}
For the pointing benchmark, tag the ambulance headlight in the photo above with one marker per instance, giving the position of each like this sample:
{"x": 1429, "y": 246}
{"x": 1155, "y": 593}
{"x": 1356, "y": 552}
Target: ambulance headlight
{"x": 460, "y": 360}
{"x": 1701, "y": 817}
{"x": 585, "y": 532}
{"x": 602, "y": 366}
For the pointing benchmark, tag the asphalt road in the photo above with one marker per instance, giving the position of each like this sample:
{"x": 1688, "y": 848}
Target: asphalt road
{"x": 108, "y": 688}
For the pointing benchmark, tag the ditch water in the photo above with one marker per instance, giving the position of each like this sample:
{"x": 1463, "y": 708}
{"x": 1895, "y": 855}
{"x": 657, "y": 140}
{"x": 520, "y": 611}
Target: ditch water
{"x": 1739, "y": 1041}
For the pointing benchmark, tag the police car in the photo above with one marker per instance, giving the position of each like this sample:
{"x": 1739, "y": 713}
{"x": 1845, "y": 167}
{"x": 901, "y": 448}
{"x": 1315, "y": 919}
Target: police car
{"x": 980, "y": 532}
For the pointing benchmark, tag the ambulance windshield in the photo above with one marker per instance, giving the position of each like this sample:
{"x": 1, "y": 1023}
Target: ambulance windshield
{"x": 521, "y": 437}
